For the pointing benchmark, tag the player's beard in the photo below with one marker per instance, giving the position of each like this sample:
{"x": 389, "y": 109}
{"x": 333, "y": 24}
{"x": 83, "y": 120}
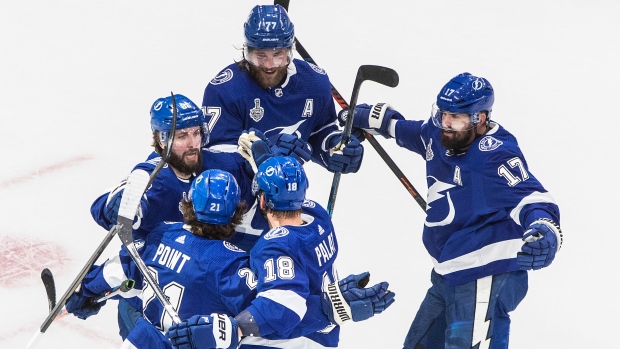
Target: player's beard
{"x": 179, "y": 163}
{"x": 267, "y": 80}
{"x": 458, "y": 140}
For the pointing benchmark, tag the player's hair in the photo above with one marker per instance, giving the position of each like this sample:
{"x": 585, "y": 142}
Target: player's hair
{"x": 212, "y": 231}
{"x": 156, "y": 144}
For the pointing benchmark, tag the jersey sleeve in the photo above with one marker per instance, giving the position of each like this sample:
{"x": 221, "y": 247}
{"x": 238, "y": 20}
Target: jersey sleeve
{"x": 409, "y": 133}
{"x": 224, "y": 119}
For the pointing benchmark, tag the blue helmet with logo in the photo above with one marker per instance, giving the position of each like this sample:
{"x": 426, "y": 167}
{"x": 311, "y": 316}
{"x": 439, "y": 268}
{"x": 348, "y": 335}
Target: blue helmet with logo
{"x": 215, "y": 195}
{"x": 284, "y": 182}
{"x": 268, "y": 26}
{"x": 188, "y": 115}
{"x": 466, "y": 94}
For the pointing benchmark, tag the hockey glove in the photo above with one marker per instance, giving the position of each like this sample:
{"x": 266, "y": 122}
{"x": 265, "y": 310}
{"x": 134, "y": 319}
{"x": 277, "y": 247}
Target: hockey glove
{"x": 350, "y": 300}
{"x": 374, "y": 119}
{"x": 344, "y": 158}
{"x": 541, "y": 244}
{"x": 82, "y": 306}
{"x": 205, "y": 331}
{"x": 291, "y": 145}
{"x": 256, "y": 148}
{"x": 110, "y": 211}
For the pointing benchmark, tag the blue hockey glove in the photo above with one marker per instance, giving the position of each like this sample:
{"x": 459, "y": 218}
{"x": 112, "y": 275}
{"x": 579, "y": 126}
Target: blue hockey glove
{"x": 357, "y": 132}
{"x": 82, "y": 306}
{"x": 291, "y": 145}
{"x": 350, "y": 300}
{"x": 344, "y": 159}
{"x": 256, "y": 148}
{"x": 372, "y": 118}
{"x": 541, "y": 244}
{"x": 205, "y": 331}
{"x": 110, "y": 211}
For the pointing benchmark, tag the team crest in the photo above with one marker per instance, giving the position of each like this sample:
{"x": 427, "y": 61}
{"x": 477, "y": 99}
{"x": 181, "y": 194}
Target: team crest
{"x": 222, "y": 77}
{"x": 276, "y": 233}
{"x": 257, "y": 112}
{"x": 317, "y": 69}
{"x": 278, "y": 92}
{"x": 232, "y": 247}
{"x": 489, "y": 143}
{"x": 308, "y": 203}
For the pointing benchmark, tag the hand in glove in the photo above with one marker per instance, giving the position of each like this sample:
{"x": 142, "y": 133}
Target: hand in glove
{"x": 205, "y": 332}
{"x": 81, "y": 306}
{"x": 371, "y": 118}
{"x": 345, "y": 158}
{"x": 291, "y": 145}
{"x": 110, "y": 211}
{"x": 541, "y": 244}
{"x": 350, "y": 300}
{"x": 256, "y": 148}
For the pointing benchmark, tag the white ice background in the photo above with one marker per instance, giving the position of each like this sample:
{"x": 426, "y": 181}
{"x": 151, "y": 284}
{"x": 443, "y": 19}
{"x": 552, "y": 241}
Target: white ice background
{"x": 77, "y": 79}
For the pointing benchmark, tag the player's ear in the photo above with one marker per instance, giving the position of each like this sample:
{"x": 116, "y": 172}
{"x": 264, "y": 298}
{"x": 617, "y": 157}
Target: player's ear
{"x": 261, "y": 201}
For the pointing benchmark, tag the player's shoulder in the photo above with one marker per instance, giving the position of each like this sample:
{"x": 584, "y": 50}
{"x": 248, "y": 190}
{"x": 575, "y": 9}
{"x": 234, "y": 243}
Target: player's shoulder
{"x": 229, "y": 77}
{"x": 311, "y": 74}
{"x": 498, "y": 143}
{"x": 148, "y": 165}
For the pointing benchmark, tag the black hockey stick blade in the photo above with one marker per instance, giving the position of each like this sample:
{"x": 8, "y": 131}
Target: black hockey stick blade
{"x": 50, "y": 287}
{"x": 283, "y": 3}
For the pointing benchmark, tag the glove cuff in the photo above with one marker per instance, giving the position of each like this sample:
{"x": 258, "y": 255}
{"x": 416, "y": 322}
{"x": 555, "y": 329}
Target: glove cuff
{"x": 554, "y": 227}
{"x": 377, "y": 113}
{"x": 340, "y": 310}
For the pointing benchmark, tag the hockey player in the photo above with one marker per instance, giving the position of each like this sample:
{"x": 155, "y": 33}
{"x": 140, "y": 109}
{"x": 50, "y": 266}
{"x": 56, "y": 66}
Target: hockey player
{"x": 488, "y": 219}
{"x": 199, "y": 271}
{"x": 194, "y": 265}
{"x": 288, "y": 99}
{"x": 161, "y": 200}
{"x": 293, "y": 264}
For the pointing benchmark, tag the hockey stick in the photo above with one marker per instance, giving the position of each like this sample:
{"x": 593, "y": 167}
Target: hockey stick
{"x": 371, "y": 139}
{"x": 50, "y": 287}
{"x": 126, "y": 236}
{"x": 126, "y": 202}
{"x": 382, "y": 75}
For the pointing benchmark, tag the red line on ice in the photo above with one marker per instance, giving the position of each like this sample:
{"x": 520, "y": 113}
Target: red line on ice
{"x": 45, "y": 170}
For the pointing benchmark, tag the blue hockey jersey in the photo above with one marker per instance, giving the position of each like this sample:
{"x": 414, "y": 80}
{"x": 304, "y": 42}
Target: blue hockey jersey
{"x": 199, "y": 275}
{"x": 302, "y": 105}
{"x": 163, "y": 197}
{"x": 479, "y": 202}
{"x": 292, "y": 264}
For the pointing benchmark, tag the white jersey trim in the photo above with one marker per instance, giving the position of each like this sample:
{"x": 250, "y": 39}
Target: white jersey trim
{"x": 224, "y": 148}
{"x": 535, "y": 197}
{"x": 494, "y": 252}
{"x": 295, "y": 343}
{"x": 287, "y": 298}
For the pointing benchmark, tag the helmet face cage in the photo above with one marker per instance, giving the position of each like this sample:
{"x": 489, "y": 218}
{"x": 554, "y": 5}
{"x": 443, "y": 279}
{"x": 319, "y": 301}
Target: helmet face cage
{"x": 284, "y": 182}
{"x": 268, "y": 27}
{"x": 188, "y": 115}
{"x": 215, "y": 195}
{"x": 463, "y": 94}
{"x": 269, "y": 58}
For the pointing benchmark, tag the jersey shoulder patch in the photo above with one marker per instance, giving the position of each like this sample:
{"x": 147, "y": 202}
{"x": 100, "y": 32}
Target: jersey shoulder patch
{"x": 317, "y": 69}
{"x": 275, "y": 233}
{"x": 224, "y": 76}
{"x": 489, "y": 143}
{"x": 232, "y": 247}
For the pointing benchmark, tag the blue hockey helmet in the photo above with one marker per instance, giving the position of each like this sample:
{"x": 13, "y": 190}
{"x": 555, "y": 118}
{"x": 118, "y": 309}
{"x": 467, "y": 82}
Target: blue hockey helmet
{"x": 188, "y": 115}
{"x": 268, "y": 27}
{"x": 284, "y": 182}
{"x": 465, "y": 94}
{"x": 215, "y": 195}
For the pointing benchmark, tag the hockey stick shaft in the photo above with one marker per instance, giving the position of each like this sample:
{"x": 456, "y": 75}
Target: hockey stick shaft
{"x": 371, "y": 139}
{"x": 106, "y": 240}
{"x": 381, "y": 75}
{"x": 125, "y": 218}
